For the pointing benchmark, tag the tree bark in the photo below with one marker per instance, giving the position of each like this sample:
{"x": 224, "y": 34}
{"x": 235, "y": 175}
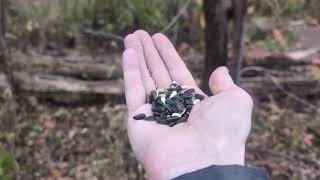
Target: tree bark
{"x": 239, "y": 11}
{"x": 215, "y": 39}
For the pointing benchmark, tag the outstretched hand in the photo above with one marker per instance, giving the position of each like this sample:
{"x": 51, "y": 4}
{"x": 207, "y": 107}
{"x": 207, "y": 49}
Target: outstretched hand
{"x": 217, "y": 128}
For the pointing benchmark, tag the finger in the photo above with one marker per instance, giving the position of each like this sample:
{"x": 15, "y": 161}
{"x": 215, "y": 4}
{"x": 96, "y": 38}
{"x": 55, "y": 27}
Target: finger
{"x": 132, "y": 41}
{"x": 220, "y": 80}
{"x": 154, "y": 62}
{"x": 134, "y": 89}
{"x": 176, "y": 67}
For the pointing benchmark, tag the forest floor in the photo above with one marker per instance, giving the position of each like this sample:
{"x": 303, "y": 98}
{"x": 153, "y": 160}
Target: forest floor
{"x": 53, "y": 141}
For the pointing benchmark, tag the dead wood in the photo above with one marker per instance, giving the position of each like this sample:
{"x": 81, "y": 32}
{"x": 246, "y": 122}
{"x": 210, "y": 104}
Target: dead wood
{"x": 85, "y": 69}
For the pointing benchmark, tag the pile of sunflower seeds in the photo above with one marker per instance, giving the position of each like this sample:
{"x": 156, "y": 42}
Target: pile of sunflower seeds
{"x": 171, "y": 106}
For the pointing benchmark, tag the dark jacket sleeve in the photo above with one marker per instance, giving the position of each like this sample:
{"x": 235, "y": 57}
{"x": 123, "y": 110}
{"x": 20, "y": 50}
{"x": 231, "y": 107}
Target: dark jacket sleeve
{"x": 232, "y": 172}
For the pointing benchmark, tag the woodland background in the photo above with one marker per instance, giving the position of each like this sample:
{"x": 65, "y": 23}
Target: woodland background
{"x": 62, "y": 108}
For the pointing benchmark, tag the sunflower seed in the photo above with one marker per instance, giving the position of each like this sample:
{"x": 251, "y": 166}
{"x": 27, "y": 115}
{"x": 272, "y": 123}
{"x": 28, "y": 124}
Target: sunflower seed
{"x": 150, "y": 118}
{"x": 163, "y": 115}
{"x": 173, "y": 94}
{"x": 196, "y": 101}
{"x": 199, "y": 96}
{"x": 187, "y": 95}
{"x": 178, "y": 88}
{"x": 189, "y": 91}
{"x": 139, "y": 116}
{"x": 163, "y": 100}
{"x": 171, "y": 124}
{"x": 176, "y": 115}
{"x": 172, "y": 118}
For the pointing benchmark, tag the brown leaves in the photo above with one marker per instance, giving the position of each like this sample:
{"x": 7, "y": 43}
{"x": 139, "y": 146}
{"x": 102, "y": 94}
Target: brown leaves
{"x": 308, "y": 139}
{"x": 278, "y": 36}
{"x": 316, "y": 62}
{"x": 313, "y": 21}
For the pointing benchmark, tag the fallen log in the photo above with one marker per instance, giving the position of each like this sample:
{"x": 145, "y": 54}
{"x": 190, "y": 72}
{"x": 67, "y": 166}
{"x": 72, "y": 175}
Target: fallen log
{"x": 262, "y": 87}
{"x": 70, "y": 90}
{"x": 65, "y": 89}
{"x": 85, "y": 69}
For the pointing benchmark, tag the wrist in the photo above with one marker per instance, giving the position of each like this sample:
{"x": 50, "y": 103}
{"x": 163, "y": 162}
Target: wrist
{"x": 160, "y": 166}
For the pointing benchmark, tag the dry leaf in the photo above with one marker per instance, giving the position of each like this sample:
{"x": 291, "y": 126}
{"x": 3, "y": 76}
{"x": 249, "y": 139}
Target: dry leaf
{"x": 202, "y": 21}
{"x": 49, "y": 124}
{"x": 312, "y": 21}
{"x": 316, "y": 62}
{"x": 251, "y": 9}
{"x": 199, "y": 2}
{"x": 278, "y": 36}
{"x": 29, "y": 26}
{"x": 308, "y": 139}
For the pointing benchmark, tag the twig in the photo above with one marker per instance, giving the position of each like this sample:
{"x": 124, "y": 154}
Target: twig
{"x": 103, "y": 34}
{"x": 177, "y": 17}
{"x": 277, "y": 85}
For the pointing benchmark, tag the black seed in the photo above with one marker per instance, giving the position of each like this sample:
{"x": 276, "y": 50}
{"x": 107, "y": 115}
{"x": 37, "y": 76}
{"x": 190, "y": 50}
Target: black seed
{"x": 171, "y": 124}
{"x": 156, "y": 110}
{"x": 157, "y": 118}
{"x": 154, "y": 94}
{"x": 199, "y": 96}
{"x": 172, "y": 118}
{"x": 182, "y": 119}
{"x": 170, "y": 102}
{"x": 174, "y": 109}
{"x": 189, "y": 91}
{"x": 186, "y": 95}
{"x": 154, "y": 104}
{"x": 189, "y": 106}
{"x": 159, "y": 101}
{"x": 168, "y": 93}
{"x": 179, "y": 99}
{"x": 188, "y": 102}
{"x": 161, "y": 121}
{"x": 163, "y": 115}
{"x": 150, "y": 118}
{"x": 139, "y": 117}
{"x": 168, "y": 107}
{"x": 178, "y": 88}
{"x": 180, "y": 107}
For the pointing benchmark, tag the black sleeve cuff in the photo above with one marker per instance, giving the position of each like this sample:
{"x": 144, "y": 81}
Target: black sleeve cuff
{"x": 232, "y": 172}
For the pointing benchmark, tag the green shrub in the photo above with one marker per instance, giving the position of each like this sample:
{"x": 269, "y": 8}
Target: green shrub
{"x": 7, "y": 165}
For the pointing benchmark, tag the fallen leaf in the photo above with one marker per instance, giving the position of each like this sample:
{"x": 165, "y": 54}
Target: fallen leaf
{"x": 308, "y": 139}
{"x": 29, "y": 25}
{"x": 202, "y": 21}
{"x": 199, "y": 2}
{"x": 278, "y": 36}
{"x": 182, "y": 47}
{"x": 251, "y": 9}
{"x": 49, "y": 124}
{"x": 316, "y": 62}
{"x": 313, "y": 21}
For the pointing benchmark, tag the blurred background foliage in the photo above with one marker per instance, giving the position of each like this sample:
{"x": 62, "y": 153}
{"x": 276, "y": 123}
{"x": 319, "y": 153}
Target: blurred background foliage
{"x": 39, "y": 22}
{"x": 65, "y": 18}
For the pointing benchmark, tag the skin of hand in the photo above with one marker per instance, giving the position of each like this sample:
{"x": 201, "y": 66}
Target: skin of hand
{"x": 217, "y": 128}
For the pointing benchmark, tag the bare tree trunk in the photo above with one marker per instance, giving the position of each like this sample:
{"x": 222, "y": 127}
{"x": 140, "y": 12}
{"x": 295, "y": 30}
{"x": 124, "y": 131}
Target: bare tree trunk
{"x": 215, "y": 39}
{"x": 239, "y": 11}
{"x": 4, "y": 64}
{"x": 2, "y": 17}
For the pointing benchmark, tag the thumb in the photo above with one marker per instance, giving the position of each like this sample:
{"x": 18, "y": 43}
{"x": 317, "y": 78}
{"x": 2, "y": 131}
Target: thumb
{"x": 220, "y": 80}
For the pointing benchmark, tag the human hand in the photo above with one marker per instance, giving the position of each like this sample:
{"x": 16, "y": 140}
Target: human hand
{"x": 217, "y": 128}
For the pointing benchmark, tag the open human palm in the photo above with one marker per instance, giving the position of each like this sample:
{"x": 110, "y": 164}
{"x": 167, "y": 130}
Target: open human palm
{"x": 217, "y": 127}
